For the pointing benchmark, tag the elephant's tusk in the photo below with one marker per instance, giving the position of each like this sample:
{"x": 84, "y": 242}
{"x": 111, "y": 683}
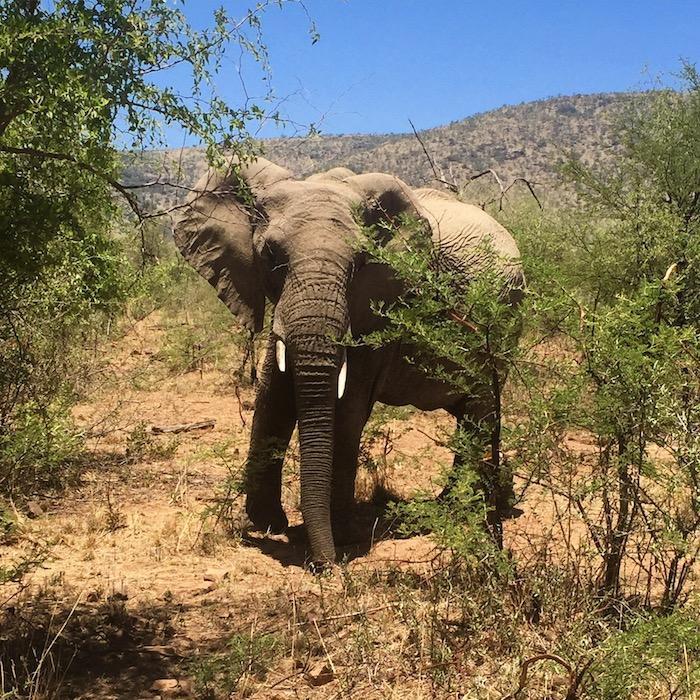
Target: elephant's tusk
{"x": 281, "y": 354}
{"x": 342, "y": 376}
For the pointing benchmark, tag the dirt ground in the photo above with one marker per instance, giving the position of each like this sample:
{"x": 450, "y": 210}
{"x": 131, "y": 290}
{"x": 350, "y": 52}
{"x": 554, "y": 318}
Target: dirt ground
{"x": 145, "y": 580}
{"x": 139, "y": 548}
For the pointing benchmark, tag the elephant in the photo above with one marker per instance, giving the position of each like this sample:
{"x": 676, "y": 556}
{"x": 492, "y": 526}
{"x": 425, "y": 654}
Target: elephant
{"x": 257, "y": 233}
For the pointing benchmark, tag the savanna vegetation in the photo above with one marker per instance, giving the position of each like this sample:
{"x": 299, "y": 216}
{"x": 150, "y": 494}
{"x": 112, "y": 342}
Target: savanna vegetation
{"x": 82, "y": 88}
{"x": 125, "y": 571}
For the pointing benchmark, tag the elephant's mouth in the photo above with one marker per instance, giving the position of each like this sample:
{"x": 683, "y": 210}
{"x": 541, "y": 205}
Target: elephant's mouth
{"x": 281, "y": 358}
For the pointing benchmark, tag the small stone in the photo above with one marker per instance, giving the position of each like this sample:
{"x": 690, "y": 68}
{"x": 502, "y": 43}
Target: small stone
{"x": 319, "y": 674}
{"x": 216, "y": 575}
{"x": 34, "y": 509}
{"x": 163, "y": 685}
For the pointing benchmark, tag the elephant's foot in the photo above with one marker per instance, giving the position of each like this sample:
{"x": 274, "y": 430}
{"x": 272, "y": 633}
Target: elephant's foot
{"x": 266, "y": 516}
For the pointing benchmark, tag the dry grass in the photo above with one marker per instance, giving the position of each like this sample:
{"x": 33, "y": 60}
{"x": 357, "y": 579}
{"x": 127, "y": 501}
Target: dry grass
{"x": 144, "y": 581}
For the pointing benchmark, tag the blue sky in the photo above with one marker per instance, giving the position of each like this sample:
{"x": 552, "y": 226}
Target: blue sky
{"x": 380, "y": 62}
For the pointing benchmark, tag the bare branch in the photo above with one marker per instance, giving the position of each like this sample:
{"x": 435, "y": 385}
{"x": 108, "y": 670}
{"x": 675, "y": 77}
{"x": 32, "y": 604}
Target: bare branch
{"x": 433, "y": 166}
{"x": 183, "y": 427}
{"x": 123, "y": 189}
{"x": 575, "y": 678}
{"x": 504, "y": 190}
{"x": 491, "y": 172}
{"x": 452, "y": 186}
{"x": 158, "y": 181}
{"x": 530, "y": 186}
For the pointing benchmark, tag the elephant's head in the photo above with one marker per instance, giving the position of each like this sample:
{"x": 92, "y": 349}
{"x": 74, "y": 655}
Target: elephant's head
{"x": 254, "y": 232}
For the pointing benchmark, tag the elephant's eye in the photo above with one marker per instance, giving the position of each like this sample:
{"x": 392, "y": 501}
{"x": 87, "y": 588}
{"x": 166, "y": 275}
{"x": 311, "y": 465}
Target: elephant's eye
{"x": 273, "y": 255}
{"x": 274, "y": 263}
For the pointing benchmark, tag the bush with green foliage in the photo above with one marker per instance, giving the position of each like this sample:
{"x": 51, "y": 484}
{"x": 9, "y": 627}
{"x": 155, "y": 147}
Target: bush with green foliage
{"x": 651, "y": 655}
{"x": 223, "y": 674}
{"x": 621, "y": 293}
{"x": 80, "y": 83}
{"x": 460, "y": 330}
{"x": 610, "y": 350}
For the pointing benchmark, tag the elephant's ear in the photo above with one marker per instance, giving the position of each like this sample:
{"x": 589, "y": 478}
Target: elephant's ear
{"x": 215, "y": 234}
{"x": 387, "y": 201}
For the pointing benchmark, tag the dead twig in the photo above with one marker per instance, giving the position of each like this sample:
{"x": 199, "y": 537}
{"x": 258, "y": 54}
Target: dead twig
{"x": 575, "y": 677}
{"x": 240, "y": 405}
{"x": 504, "y": 190}
{"x": 357, "y": 613}
{"x": 462, "y": 321}
{"x": 454, "y": 187}
{"x": 436, "y": 441}
{"x": 183, "y": 427}
{"x": 433, "y": 165}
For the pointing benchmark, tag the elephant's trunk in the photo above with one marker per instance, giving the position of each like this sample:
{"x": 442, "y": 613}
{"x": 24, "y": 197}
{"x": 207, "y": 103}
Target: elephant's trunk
{"x": 315, "y": 397}
{"x": 315, "y": 317}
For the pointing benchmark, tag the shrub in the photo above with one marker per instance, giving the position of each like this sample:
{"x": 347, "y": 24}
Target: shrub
{"x": 654, "y": 655}
{"x": 225, "y": 673}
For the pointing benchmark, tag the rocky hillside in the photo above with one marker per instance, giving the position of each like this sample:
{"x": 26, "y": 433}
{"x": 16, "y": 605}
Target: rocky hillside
{"x": 526, "y": 140}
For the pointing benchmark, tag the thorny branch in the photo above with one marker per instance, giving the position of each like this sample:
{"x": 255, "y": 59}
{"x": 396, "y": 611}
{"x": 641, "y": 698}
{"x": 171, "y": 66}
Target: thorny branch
{"x": 51, "y": 155}
{"x": 121, "y": 188}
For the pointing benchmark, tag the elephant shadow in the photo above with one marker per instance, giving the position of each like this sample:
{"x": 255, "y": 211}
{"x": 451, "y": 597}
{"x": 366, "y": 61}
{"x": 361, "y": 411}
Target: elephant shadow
{"x": 372, "y": 521}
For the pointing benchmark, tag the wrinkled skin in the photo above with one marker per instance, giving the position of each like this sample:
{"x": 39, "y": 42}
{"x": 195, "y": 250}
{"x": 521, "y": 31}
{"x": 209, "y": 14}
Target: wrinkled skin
{"x": 256, "y": 233}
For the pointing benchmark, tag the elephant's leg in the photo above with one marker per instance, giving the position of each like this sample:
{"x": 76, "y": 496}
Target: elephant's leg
{"x": 352, "y": 414}
{"x": 273, "y": 423}
{"x": 348, "y": 434}
{"x": 477, "y": 418}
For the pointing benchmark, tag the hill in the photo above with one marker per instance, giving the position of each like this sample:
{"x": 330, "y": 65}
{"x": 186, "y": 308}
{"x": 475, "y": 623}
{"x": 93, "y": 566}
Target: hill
{"x": 526, "y": 140}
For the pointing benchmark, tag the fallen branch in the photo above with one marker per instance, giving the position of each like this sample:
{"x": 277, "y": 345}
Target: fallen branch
{"x": 183, "y": 427}
{"x": 575, "y": 678}
{"x": 356, "y": 613}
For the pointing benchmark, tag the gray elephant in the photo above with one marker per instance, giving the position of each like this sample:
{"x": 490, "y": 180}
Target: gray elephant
{"x": 256, "y": 233}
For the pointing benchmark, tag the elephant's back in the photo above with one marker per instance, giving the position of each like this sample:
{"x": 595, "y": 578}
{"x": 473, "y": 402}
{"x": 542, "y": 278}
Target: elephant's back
{"x": 337, "y": 173}
{"x": 468, "y": 235}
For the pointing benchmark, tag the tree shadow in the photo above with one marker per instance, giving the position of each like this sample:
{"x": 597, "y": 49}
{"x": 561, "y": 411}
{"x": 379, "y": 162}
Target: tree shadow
{"x": 64, "y": 649}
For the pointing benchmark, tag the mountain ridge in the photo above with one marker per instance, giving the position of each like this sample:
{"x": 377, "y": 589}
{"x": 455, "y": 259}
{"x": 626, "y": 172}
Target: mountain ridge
{"x": 527, "y": 140}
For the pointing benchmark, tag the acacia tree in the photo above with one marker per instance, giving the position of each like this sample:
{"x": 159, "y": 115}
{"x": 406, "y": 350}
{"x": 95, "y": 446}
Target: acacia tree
{"x": 81, "y": 81}
{"x": 622, "y": 277}
{"x": 614, "y": 283}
